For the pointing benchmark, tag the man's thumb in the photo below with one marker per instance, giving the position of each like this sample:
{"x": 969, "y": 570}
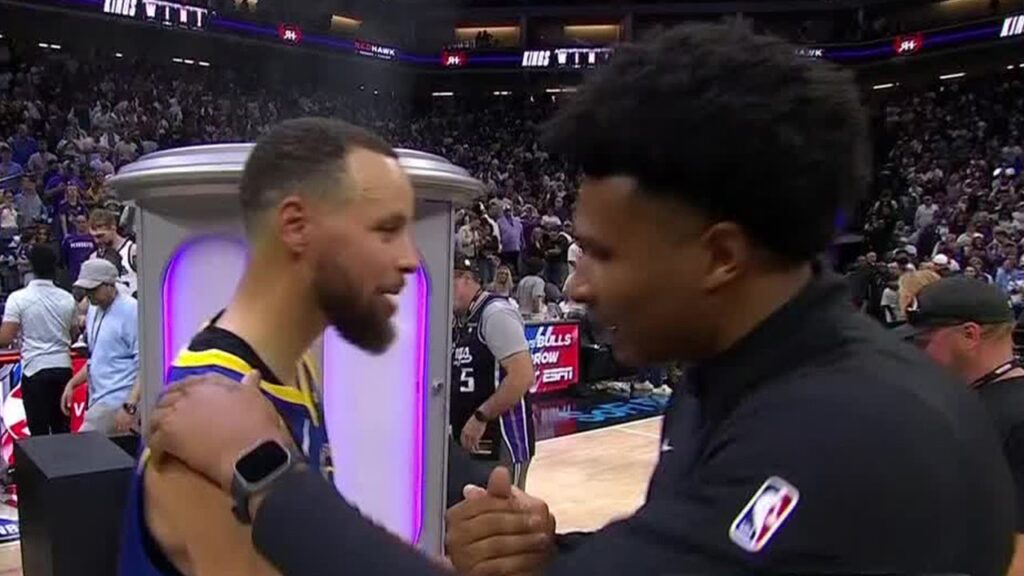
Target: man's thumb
{"x": 472, "y": 492}
{"x": 499, "y": 484}
{"x": 252, "y": 379}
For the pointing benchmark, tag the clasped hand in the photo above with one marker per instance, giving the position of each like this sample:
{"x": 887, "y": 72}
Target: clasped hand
{"x": 499, "y": 530}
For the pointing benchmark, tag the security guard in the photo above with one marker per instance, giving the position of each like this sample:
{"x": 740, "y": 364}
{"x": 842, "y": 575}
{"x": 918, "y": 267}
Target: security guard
{"x": 967, "y": 325}
{"x": 492, "y": 373}
{"x": 805, "y": 438}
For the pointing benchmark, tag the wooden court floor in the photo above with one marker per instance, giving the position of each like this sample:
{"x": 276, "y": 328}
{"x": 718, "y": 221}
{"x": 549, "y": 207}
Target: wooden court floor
{"x": 587, "y": 479}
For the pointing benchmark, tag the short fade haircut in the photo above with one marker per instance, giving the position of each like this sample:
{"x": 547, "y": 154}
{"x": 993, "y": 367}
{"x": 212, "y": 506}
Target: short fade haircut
{"x": 304, "y": 155}
{"x": 731, "y": 123}
{"x": 43, "y": 261}
{"x": 102, "y": 218}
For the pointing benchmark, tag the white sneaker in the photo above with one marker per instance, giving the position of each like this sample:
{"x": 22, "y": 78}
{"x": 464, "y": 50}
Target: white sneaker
{"x": 644, "y": 386}
{"x": 620, "y": 387}
{"x": 662, "y": 390}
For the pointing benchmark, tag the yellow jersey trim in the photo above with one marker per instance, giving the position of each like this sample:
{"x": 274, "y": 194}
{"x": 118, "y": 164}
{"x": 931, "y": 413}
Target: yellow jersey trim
{"x": 303, "y": 395}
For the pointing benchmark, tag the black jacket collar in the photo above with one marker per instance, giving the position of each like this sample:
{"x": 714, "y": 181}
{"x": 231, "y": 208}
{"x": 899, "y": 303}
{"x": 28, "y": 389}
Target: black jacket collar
{"x": 807, "y": 326}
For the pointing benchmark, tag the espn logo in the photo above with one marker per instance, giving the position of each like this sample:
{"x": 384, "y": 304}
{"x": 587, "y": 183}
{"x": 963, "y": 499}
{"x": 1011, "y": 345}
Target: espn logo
{"x": 1012, "y": 26}
{"x": 564, "y": 374}
{"x": 120, "y": 7}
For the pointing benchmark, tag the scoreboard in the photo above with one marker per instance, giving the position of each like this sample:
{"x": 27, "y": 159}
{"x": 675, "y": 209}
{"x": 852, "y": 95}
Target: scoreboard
{"x": 160, "y": 11}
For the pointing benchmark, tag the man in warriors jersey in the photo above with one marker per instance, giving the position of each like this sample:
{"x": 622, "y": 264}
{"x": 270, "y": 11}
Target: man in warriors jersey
{"x": 327, "y": 212}
{"x": 492, "y": 373}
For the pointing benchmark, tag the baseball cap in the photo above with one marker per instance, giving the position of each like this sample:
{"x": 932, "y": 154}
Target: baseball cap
{"x": 95, "y": 273}
{"x": 953, "y": 301}
{"x": 463, "y": 264}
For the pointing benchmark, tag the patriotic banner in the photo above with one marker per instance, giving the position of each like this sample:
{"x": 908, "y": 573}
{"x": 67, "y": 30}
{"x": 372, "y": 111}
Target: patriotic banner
{"x": 15, "y": 427}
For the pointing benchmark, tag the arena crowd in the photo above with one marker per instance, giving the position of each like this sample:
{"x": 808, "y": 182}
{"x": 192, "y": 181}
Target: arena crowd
{"x": 950, "y": 194}
{"x": 949, "y": 190}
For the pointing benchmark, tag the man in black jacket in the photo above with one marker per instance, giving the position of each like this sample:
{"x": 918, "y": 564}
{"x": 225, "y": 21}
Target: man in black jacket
{"x": 803, "y": 439}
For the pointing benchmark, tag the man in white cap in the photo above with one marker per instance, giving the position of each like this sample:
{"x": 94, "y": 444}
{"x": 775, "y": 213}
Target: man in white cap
{"x": 112, "y": 333}
{"x": 945, "y": 265}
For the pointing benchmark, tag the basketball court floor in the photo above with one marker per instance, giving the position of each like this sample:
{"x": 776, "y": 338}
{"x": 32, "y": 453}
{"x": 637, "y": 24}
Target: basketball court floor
{"x": 587, "y": 478}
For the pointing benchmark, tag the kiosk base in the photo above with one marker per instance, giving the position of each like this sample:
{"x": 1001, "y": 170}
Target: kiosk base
{"x": 71, "y": 494}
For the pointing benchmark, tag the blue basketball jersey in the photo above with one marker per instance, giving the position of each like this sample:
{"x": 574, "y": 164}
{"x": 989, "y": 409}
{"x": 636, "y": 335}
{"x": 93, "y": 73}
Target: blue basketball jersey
{"x": 217, "y": 350}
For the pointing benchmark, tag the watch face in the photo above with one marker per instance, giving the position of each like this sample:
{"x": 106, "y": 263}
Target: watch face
{"x": 261, "y": 461}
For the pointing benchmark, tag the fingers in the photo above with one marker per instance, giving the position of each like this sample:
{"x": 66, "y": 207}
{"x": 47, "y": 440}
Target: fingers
{"x": 502, "y": 554}
{"x": 158, "y": 422}
{"x": 185, "y": 385}
{"x": 252, "y": 379}
{"x": 472, "y": 491}
{"x": 489, "y": 526}
{"x": 499, "y": 484}
{"x": 472, "y": 508}
{"x": 521, "y": 565}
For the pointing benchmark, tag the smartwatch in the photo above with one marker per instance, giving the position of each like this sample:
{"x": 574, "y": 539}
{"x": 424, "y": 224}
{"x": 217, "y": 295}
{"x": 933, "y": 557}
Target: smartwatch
{"x": 256, "y": 470}
{"x": 480, "y": 416}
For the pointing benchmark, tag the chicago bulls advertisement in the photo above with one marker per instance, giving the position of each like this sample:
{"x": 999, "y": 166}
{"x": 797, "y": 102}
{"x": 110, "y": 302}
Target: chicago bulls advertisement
{"x": 555, "y": 348}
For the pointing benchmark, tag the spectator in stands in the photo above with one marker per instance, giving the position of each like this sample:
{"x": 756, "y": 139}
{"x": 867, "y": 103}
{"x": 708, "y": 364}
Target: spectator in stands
{"x": 113, "y": 247}
{"x": 8, "y": 217}
{"x": 29, "y": 205}
{"x": 43, "y": 316}
{"x": 511, "y": 228}
{"x": 530, "y": 290}
{"x": 558, "y": 255}
{"x": 102, "y": 164}
{"x": 503, "y": 284}
{"x": 23, "y": 145}
{"x": 111, "y": 331}
{"x": 70, "y": 208}
{"x": 466, "y": 239}
{"x": 41, "y": 159}
{"x": 1009, "y": 276}
{"x": 77, "y": 247}
{"x": 8, "y": 167}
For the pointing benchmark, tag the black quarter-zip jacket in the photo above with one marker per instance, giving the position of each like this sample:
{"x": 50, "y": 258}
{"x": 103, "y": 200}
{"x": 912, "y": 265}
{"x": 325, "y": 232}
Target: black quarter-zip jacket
{"x": 818, "y": 443}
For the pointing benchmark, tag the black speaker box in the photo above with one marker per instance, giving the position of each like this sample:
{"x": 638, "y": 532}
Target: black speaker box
{"x": 71, "y": 494}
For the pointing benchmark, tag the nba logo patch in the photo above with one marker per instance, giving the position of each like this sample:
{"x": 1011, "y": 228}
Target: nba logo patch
{"x": 764, "y": 514}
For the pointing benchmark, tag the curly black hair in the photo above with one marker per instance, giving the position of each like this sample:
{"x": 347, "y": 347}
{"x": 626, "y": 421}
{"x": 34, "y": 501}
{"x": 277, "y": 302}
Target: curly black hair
{"x": 730, "y": 122}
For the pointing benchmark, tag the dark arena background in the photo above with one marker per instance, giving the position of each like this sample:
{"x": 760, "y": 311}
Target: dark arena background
{"x": 124, "y": 127}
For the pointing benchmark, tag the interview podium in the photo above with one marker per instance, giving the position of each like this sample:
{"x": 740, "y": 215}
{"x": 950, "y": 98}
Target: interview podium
{"x": 386, "y": 415}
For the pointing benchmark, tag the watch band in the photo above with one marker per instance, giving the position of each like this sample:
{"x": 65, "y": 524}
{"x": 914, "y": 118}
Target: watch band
{"x": 241, "y": 494}
{"x": 480, "y": 416}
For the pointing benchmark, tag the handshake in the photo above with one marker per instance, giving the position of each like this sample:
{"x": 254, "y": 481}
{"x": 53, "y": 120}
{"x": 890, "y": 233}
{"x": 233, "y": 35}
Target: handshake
{"x": 499, "y": 530}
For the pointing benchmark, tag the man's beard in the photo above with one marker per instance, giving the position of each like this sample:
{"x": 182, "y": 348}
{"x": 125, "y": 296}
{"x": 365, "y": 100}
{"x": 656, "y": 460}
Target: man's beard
{"x": 352, "y": 316}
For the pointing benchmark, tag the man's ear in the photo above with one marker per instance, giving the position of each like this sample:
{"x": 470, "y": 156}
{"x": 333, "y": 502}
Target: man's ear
{"x": 973, "y": 333}
{"x": 728, "y": 253}
{"x": 292, "y": 222}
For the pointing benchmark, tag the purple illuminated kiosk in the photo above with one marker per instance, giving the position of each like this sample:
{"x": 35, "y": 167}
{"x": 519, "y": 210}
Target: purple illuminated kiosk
{"x": 386, "y": 415}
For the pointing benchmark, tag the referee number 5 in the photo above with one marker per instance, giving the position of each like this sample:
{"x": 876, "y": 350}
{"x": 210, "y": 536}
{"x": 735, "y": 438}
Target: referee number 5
{"x": 468, "y": 383}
